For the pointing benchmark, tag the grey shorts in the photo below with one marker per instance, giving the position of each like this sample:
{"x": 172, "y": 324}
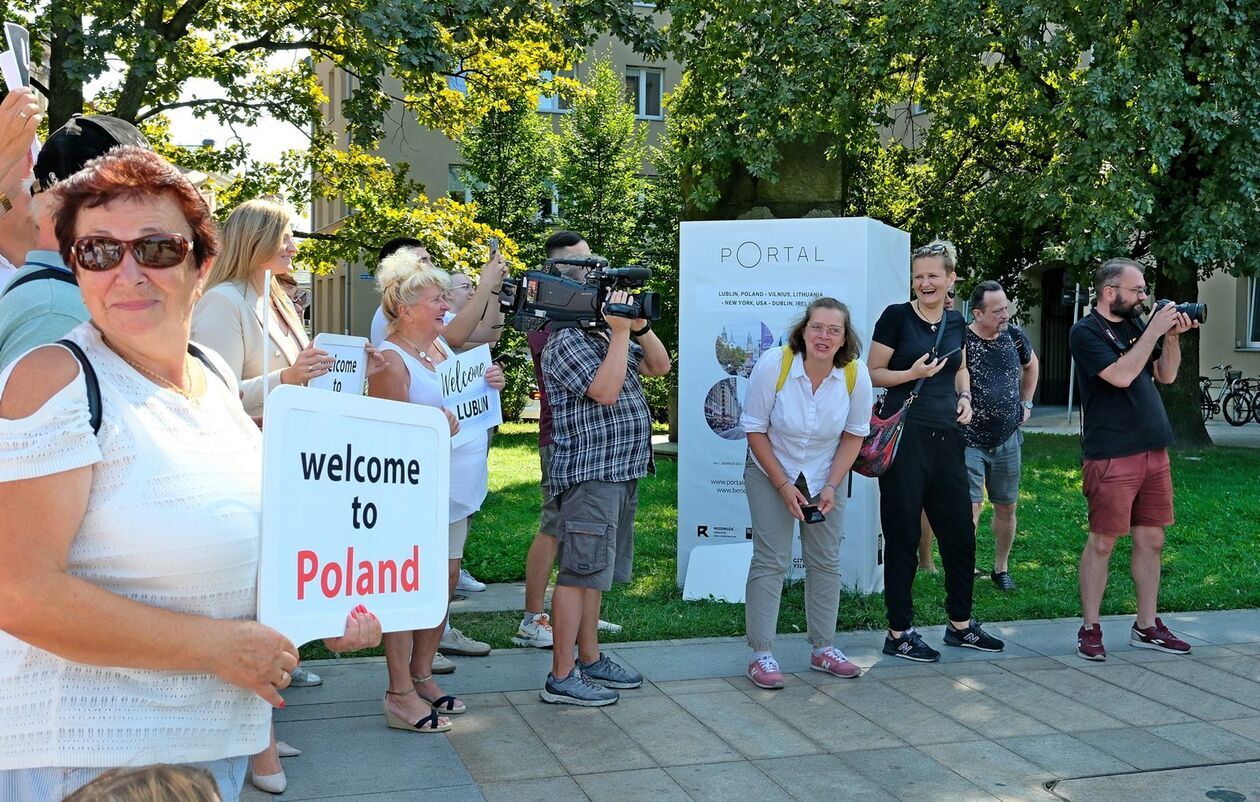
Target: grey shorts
{"x": 595, "y": 538}
{"x": 996, "y": 469}
{"x": 549, "y": 519}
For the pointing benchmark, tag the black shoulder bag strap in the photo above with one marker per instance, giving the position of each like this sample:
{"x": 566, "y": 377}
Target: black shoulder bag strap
{"x": 94, "y": 385}
{"x": 936, "y": 348}
{"x": 41, "y": 275}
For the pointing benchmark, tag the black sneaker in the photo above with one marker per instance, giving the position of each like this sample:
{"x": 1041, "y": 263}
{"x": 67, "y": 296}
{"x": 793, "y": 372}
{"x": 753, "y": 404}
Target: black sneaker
{"x": 1003, "y": 581}
{"x": 973, "y": 637}
{"x": 910, "y": 646}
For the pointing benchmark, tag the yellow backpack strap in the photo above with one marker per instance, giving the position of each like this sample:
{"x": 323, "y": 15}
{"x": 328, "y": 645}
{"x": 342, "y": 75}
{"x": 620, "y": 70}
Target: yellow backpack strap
{"x": 785, "y": 368}
{"x": 850, "y": 375}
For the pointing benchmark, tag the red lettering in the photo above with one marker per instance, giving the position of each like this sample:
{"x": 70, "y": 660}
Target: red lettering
{"x": 349, "y": 569}
{"x": 390, "y": 568}
{"x": 411, "y": 571}
{"x": 306, "y": 558}
{"x": 332, "y": 571}
{"x": 364, "y": 585}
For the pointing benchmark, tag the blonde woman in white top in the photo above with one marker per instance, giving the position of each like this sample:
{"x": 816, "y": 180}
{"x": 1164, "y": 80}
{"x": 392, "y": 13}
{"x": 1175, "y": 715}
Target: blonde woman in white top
{"x": 804, "y": 431}
{"x": 128, "y": 558}
{"x": 413, "y": 295}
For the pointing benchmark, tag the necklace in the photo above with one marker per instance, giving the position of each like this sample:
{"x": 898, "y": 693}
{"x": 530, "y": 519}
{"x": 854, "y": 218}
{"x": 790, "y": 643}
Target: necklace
{"x": 423, "y": 355}
{"x": 919, "y": 310}
{"x": 160, "y": 379}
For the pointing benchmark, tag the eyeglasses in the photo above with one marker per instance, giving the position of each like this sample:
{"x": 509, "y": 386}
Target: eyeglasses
{"x": 105, "y": 253}
{"x": 820, "y": 329}
{"x": 1135, "y": 290}
{"x": 935, "y": 249}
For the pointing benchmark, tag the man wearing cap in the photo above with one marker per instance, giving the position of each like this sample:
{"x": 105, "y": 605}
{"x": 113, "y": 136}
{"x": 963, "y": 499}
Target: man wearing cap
{"x": 41, "y": 303}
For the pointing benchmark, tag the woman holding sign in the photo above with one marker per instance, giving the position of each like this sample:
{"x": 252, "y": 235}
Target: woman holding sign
{"x": 413, "y": 296}
{"x": 233, "y": 317}
{"x": 130, "y": 482}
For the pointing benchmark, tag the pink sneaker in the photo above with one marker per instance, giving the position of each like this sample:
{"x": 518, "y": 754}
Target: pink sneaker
{"x": 833, "y": 661}
{"x": 764, "y": 673}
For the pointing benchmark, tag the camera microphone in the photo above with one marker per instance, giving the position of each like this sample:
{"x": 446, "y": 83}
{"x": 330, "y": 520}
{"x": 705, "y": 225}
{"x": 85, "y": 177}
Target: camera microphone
{"x": 629, "y": 273}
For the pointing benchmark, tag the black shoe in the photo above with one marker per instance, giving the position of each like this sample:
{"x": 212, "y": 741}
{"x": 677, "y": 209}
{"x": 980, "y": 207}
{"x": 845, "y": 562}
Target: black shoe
{"x": 973, "y": 637}
{"x": 1003, "y": 581}
{"x": 910, "y": 646}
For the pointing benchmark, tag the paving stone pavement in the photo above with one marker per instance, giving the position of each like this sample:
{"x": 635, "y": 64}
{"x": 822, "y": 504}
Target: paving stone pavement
{"x": 1033, "y": 723}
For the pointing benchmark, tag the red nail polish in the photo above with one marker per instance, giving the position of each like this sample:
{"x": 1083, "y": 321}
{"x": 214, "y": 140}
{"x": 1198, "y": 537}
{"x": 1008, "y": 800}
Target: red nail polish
{"x": 282, "y": 704}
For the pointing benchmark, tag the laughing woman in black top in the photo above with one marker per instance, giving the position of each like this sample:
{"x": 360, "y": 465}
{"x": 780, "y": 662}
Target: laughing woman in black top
{"x": 929, "y": 472}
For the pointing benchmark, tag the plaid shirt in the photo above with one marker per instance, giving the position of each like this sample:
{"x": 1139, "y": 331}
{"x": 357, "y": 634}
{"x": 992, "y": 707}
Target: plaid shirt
{"x": 589, "y": 440}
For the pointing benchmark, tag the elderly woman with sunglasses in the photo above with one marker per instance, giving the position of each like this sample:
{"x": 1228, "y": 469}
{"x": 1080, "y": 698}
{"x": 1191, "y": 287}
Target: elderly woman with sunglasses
{"x": 921, "y": 341}
{"x": 129, "y": 551}
{"x": 806, "y": 412}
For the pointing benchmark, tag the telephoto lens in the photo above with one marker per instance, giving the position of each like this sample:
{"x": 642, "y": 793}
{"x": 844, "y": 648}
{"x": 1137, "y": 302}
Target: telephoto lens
{"x": 1189, "y": 309}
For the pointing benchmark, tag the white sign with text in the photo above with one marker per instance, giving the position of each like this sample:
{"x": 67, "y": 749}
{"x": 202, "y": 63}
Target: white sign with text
{"x": 349, "y": 363}
{"x": 355, "y": 496}
{"x": 742, "y": 285}
{"x": 466, "y": 394}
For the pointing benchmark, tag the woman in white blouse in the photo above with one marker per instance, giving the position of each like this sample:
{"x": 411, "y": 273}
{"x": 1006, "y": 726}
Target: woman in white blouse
{"x": 129, "y": 555}
{"x": 807, "y": 409}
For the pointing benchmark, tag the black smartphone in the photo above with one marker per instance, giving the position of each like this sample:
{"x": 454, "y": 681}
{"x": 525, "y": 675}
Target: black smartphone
{"x": 951, "y": 353}
{"x": 812, "y": 514}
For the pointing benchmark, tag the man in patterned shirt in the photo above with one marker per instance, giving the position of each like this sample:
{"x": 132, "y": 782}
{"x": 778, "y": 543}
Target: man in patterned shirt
{"x": 601, "y": 444}
{"x": 1003, "y": 372}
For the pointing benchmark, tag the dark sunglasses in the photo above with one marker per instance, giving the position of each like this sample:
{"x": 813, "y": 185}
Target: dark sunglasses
{"x": 105, "y": 253}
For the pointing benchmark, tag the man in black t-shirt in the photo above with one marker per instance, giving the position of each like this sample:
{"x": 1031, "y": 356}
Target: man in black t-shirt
{"x": 1125, "y": 471}
{"x": 1003, "y": 372}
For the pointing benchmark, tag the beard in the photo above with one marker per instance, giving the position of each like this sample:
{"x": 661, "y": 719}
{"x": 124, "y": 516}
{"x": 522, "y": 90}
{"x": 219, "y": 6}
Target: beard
{"x": 1126, "y": 310}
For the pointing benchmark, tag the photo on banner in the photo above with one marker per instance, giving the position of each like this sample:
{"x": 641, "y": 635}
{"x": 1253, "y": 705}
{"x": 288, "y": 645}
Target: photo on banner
{"x": 742, "y": 285}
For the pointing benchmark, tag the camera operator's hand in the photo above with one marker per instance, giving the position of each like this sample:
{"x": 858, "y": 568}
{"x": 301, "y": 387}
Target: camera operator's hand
{"x": 493, "y": 272}
{"x": 1164, "y": 320}
{"x": 1184, "y": 324}
{"x": 616, "y": 324}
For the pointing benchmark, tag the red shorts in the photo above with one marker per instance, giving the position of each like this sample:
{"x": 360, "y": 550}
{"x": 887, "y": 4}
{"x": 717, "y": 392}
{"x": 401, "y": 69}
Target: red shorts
{"x": 1128, "y": 491}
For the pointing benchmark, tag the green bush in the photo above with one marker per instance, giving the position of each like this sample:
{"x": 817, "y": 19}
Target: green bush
{"x": 512, "y": 353}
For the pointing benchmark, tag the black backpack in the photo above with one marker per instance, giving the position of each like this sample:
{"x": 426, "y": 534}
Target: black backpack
{"x": 94, "y": 386}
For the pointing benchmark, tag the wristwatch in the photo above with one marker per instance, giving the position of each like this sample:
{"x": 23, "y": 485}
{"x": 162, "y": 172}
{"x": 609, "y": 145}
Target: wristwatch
{"x": 1026, "y": 404}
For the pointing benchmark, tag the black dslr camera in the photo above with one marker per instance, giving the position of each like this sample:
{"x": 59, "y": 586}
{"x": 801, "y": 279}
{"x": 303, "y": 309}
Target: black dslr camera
{"x": 540, "y": 297}
{"x": 1191, "y": 310}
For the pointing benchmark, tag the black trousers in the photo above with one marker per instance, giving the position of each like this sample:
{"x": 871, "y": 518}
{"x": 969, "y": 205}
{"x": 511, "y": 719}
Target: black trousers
{"x": 929, "y": 474}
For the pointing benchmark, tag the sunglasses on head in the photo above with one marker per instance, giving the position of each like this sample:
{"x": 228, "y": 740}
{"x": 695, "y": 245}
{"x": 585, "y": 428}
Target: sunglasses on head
{"x": 105, "y": 253}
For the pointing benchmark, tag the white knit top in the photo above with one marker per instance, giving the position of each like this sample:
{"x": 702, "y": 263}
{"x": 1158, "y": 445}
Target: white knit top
{"x": 172, "y": 521}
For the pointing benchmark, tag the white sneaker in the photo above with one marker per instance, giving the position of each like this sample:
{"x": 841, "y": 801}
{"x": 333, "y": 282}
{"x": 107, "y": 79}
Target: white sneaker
{"x": 468, "y": 583}
{"x": 608, "y": 626}
{"x": 536, "y": 633}
{"x": 443, "y": 665}
{"x": 456, "y": 642}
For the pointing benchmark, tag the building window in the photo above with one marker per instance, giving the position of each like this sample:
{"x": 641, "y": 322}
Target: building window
{"x": 555, "y": 103}
{"x": 643, "y": 87}
{"x": 457, "y": 189}
{"x": 549, "y": 202}
{"x": 1253, "y": 312}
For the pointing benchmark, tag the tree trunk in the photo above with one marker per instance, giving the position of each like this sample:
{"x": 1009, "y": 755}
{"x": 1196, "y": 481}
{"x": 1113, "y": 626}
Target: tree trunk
{"x": 65, "y": 91}
{"x": 1181, "y": 398}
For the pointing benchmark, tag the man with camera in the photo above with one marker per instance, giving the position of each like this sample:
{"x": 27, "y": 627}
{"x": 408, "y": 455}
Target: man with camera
{"x": 601, "y": 440}
{"x": 1126, "y": 477}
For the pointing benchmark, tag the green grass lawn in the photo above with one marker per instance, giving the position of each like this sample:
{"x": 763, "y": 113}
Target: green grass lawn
{"x": 1211, "y": 560}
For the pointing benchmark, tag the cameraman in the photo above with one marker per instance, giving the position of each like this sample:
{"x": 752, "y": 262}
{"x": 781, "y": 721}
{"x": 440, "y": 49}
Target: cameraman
{"x": 601, "y": 444}
{"x": 1125, "y": 473}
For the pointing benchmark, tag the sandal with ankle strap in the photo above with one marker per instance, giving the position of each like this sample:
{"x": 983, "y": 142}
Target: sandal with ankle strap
{"x": 448, "y": 705}
{"x": 430, "y": 723}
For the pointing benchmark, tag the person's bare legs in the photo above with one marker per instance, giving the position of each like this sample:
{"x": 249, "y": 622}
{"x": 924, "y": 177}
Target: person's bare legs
{"x": 406, "y": 653}
{"x": 1095, "y": 560}
{"x": 567, "y": 606}
{"x": 588, "y": 630}
{"x": 266, "y": 762}
{"x": 926, "y": 562}
{"x": 425, "y": 641}
{"x": 538, "y": 563}
{"x": 1148, "y": 545}
{"x": 1003, "y": 535}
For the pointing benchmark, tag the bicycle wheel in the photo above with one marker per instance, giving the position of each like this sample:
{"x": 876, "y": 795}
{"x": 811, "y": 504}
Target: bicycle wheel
{"x": 1205, "y": 405}
{"x": 1255, "y": 407}
{"x": 1237, "y": 407}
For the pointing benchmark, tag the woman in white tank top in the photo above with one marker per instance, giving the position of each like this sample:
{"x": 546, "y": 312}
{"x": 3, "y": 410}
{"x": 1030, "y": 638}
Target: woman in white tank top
{"x": 413, "y": 299}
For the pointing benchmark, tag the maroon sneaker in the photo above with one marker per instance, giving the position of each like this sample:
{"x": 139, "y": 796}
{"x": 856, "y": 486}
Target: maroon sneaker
{"x": 1089, "y": 643}
{"x": 1158, "y": 637}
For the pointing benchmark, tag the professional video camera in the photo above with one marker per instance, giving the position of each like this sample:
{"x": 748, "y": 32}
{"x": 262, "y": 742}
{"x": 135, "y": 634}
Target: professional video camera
{"x": 540, "y": 297}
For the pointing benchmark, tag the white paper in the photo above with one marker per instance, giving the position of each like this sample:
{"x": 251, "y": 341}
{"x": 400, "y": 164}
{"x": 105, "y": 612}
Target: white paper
{"x": 349, "y": 363}
{"x": 466, "y": 394}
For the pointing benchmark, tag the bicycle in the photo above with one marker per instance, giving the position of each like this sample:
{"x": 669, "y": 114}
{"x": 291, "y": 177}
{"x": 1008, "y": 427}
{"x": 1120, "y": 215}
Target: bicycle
{"x": 1232, "y": 397}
